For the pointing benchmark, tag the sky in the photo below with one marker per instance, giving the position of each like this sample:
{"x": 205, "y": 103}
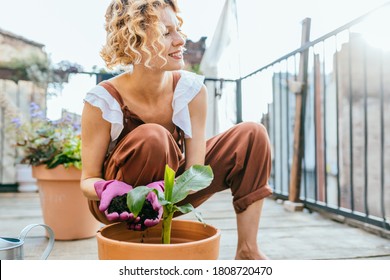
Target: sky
{"x": 73, "y": 30}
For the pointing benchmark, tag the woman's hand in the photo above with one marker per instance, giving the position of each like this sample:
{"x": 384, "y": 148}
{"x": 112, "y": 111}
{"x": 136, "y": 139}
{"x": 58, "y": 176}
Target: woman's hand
{"x": 152, "y": 210}
{"x": 113, "y": 191}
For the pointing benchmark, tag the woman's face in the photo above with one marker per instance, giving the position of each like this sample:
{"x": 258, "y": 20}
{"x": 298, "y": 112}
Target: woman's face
{"x": 173, "y": 42}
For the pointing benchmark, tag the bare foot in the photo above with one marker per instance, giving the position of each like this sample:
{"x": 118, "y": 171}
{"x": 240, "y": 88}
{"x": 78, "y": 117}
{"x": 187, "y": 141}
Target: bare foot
{"x": 251, "y": 256}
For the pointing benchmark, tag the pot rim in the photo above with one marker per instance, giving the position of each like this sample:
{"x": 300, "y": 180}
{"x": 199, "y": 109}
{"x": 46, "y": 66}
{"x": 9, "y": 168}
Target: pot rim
{"x": 42, "y": 173}
{"x": 217, "y": 235}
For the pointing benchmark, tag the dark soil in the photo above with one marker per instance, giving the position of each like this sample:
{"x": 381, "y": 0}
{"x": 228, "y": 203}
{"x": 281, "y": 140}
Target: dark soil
{"x": 118, "y": 204}
{"x": 147, "y": 212}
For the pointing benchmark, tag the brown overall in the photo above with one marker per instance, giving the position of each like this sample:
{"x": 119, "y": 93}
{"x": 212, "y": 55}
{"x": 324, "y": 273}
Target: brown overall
{"x": 240, "y": 158}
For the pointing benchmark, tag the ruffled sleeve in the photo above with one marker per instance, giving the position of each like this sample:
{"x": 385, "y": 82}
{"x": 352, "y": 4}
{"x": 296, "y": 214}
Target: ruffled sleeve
{"x": 111, "y": 110}
{"x": 187, "y": 88}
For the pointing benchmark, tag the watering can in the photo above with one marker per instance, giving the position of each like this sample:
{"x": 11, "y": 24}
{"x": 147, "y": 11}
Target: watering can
{"x": 12, "y": 248}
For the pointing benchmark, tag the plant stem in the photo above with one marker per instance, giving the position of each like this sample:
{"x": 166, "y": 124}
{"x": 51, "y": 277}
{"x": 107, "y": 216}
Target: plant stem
{"x": 166, "y": 226}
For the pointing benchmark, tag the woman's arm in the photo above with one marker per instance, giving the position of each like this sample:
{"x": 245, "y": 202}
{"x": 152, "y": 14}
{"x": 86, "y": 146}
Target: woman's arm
{"x": 95, "y": 138}
{"x": 195, "y": 147}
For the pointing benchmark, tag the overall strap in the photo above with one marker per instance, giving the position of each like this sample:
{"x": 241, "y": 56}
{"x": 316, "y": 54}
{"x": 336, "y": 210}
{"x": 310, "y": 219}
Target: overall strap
{"x": 112, "y": 90}
{"x": 130, "y": 121}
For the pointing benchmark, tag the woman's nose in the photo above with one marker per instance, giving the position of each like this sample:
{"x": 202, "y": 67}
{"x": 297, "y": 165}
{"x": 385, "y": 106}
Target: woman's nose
{"x": 178, "y": 40}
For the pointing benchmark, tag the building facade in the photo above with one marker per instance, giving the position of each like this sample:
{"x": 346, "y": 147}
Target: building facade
{"x": 19, "y": 87}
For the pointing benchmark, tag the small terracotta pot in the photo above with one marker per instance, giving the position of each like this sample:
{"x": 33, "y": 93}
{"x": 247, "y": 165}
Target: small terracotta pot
{"x": 190, "y": 240}
{"x": 64, "y": 207}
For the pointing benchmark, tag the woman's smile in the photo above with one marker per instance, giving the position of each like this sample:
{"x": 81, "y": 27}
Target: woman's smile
{"x": 176, "y": 55}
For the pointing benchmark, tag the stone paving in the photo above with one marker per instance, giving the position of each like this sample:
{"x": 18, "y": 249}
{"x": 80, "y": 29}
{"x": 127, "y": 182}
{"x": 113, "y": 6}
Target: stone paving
{"x": 282, "y": 235}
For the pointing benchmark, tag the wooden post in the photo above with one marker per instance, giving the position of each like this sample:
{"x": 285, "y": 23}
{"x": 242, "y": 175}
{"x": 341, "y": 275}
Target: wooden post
{"x": 296, "y": 168}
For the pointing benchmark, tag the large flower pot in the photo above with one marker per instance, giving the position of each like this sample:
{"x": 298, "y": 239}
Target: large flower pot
{"x": 64, "y": 207}
{"x": 190, "y": 240}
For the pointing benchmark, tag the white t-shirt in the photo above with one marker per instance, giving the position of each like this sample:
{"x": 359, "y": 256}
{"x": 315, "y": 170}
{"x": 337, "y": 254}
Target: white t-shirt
{"x": 186, "y": 89}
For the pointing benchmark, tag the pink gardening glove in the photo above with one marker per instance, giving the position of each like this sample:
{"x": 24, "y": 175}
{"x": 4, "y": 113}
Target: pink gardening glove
{"x": 159, "y": 185}
{"x": 113, "y": 191}
{"x": 152, "y": 210}
{"x": 153, "y": 200}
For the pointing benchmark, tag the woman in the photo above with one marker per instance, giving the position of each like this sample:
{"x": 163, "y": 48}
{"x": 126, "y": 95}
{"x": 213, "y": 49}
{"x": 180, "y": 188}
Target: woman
{"x": 139, "y": 121}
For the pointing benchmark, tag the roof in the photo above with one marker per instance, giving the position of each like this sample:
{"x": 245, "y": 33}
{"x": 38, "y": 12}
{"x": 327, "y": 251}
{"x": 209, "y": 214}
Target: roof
{"x": 18, "y": 37}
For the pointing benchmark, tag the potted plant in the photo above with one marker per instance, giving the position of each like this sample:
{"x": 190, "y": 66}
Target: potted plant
{"x": 170, "y": 239}
{"x": 53, "y": 149}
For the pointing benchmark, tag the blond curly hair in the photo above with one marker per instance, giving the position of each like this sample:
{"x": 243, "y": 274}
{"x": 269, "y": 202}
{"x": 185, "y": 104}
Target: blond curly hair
{"x": 126, "y": 24}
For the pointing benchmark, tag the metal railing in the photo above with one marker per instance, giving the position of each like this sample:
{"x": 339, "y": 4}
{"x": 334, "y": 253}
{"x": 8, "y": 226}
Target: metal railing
{"x": 346, "y": 121}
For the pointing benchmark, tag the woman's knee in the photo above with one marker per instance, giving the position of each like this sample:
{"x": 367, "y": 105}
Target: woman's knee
{"x": 253, "y": 131}
{"x": 145, "y": 141}
{"x": 142, "y": 154}
{"x": 152, "y": 136}
{"x": 151, "y": 130}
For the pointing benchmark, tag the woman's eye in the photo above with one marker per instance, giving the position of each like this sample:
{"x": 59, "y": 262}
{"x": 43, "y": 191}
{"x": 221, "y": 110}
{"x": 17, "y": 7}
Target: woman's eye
{"x": 167, "y": 33}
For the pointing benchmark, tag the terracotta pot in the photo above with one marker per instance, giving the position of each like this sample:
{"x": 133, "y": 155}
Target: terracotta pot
{"x": 190, "y": 240}
{"x": 64, "y": 207}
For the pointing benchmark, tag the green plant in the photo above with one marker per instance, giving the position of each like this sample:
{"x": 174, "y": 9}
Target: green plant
{"x": 195, "y": 68}
{"x": 40, "y": 70}
{"x": 194, "y": 179}
{"x": 43, "y": 141}
{"x": 33, "y": 68}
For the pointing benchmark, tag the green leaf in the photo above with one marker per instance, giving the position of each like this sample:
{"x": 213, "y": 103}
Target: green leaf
{"x": 196, "y": 178}
{"x": 198, "y": 215}
{"x": 136, "y": 199}
{"x": 169, "y": 181}
{"x": 161, "y": 198}
{"x": 187, "y": 208}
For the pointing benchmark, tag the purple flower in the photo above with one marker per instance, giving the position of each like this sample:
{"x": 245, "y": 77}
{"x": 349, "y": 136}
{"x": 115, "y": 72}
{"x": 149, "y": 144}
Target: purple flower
{"x": 34, "y": 107}
{"x": 37, "y": 115}
{"x": 17, "y": 122}
{"x": 76, "y": 127}
{"x": 67, "y": 118}
{"x": 36, "y": 112}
